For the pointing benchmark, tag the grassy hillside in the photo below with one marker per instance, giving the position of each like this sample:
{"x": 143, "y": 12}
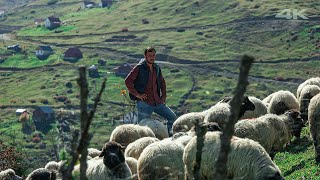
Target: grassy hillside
{"x": 200, "y": 42}
{"x": 211, "y": 30}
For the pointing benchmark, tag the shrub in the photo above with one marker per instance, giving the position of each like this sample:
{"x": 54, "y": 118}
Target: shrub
{"x": 11, "y": 158}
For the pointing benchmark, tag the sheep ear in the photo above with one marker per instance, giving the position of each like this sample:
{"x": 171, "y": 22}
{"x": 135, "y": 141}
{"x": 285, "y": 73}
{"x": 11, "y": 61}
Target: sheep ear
{"x": 122, "y": 148}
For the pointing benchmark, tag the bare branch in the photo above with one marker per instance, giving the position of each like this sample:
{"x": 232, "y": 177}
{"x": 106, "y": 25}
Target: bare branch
{"x": 201, "y": 130}
{"x": 235, "y": 103}
{"x": 86, "y": 120}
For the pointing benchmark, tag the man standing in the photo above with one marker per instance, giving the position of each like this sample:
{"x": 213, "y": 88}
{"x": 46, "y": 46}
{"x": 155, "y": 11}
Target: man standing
{"x": 147, "y": 85}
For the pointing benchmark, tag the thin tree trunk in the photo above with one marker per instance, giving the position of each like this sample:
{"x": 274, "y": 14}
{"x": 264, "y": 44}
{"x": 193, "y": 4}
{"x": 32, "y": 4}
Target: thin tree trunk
{"x": 201, "y": 131}
{"x": 221, "y": 164}
{"x": 86, "y": 120}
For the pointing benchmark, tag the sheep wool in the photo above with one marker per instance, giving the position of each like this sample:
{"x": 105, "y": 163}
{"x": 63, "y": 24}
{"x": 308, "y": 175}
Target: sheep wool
{"x": 9, "y": 174}
{"x": 259, "y": 110}
{"x": 54, "y": 166}
{"x": 111, "y": 166}
{"x": 42, "y": 173}
{"x": 282, "y": 101}
{"x": 221, "y": 112}
{"x": 311, "y": 81}
{"x": 271, "y": 131}
{"x": 97, "y": 171}
{"x": 133, "y": 163}
{"x": 247, "y": 159}
{"x": 135, "y": 148}
{"x": 128, "y": 133}
{"x": 267, "y": 99}
{"x": 93, "y": 152}
{"x": 159, "y": 129}
{"x": 314, "y": 124}
{"x": 181, "y": 138}
{"x": 186, "y": 121}
{"x": 308, "y": 92}
{"x": 161, "y": 160}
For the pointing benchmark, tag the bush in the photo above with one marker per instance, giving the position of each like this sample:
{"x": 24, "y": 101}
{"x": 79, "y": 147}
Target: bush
{"x": 11, "y": 158}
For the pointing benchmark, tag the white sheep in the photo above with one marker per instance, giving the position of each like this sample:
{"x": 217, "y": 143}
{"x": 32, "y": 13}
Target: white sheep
{"x": 306, "y": 94}
{"x": 221, "y": 112}
{"x": 314, "y": 124}
{"x": 133, "y": 165}
{"x": 186, "y": 121}
{"x": 93, "y": 152}
{"x": 311, "y": 81}
{"x": 259, "y": 110}
{"x": 43, "y": 174}
{"x": 128, "y": 133}
{"x": 267, "y": 99}
{"x": 112, "y": 166}
{"x": 158, "y": 128}
{"x": 135, "y": 148}
{"x": 282, "y": 101}
{"x": 161, "y": 160}
{"x": 9, "y": 174}
{"x": 247, "y": 159}
{"x": 271, "y": 131}
{"x": 54, "y": 166}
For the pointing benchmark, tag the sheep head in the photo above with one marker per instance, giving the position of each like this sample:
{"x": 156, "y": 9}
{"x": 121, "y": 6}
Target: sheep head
{"x": 245, "y": 105}
{"x": 295, "y": 121}
{"x": 113, "y": 154}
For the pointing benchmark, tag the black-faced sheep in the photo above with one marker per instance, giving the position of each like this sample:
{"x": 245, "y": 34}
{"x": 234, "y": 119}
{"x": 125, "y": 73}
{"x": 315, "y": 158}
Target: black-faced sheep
{"x": 308, "y": 92}
{"x": 186, "y": 121}
{"x": 158, "y": 128}
{"x": 9, "y": 174}
{"x": 247, "y": 159}
{"x": 221, "y": 112}
{"x": 271, "y": 131}
{"x": 135, "y": 148}
{"x": 282, "y": 101}
{"x": 112, "y": 166}
{"x": 128, "y": 133}
{"x": 259, "y": 110}
{"x": 314, "y": 124}
{"x": 42, "y": 174}
{"x": 311, "y": 81}
{"x": 161, "y": 160}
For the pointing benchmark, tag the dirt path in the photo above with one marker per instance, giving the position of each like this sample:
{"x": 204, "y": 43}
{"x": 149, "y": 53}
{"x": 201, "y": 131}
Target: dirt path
{"x": 247, "y": 21}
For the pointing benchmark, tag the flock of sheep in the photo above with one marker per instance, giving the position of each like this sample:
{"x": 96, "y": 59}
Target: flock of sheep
{"x": 146, "y": 151}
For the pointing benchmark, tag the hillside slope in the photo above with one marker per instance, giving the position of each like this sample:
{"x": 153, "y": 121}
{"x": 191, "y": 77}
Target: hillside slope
{"x": 195, "y": 30}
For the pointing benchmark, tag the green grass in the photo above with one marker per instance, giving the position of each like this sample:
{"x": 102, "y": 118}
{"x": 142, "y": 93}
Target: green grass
{"x": 297, "y": 161}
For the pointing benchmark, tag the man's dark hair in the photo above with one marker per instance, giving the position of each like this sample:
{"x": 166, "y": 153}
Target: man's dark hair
{"x": 149, "y": 49}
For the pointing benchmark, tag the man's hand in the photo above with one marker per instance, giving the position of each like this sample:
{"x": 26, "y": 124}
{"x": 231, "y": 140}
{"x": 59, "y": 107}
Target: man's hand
{"x": 142, "y": 96}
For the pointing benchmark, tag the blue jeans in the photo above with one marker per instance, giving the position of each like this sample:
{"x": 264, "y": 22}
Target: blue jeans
{"x": 145, "y": 110}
